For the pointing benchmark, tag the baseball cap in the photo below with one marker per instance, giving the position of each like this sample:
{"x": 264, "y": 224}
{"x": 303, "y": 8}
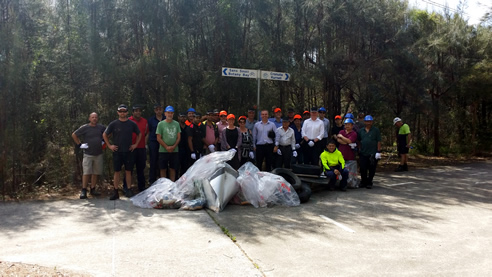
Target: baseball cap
{"x": 136, "y": 107}
{"x": 297, "y": 116}
{"x": 210, "y": 112}
{"x": 314, "y": 109}
{"x": 242, "y": 117}
{"x": 157, "y": 106}
{"x": 397, "y": 119}
{"x": 231, "y": 116}
{"x": 191, "y": 110}
{"x": 222, "y": 113}
{"x": 197, "y": 114}
{"x": 338, "y": 117}
{"x": 122, "y": 107}
{"x": 290, "y": 110}
{"x": 277, "y": 110}
{"x": 169, "y": 109}
{"x": 251, "y": 109}
{"x": 182, "y": 114}
{"x": 216, "y": 111}
{"x": 322, "y": 109}
{"x": 285, "y": 119}
{"x": 305, "y": 112}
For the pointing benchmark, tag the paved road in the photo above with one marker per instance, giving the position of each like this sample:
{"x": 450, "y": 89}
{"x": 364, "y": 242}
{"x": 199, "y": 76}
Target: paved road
{"x": 434, "y": 222}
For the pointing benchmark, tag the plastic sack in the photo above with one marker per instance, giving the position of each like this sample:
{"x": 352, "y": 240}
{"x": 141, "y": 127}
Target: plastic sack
{"x": 204, "y": 167}
{"x": 353, "y": 181}
{"x": 263, "y": 189}
{"x": 163, "y": 194}
{"x": 198, "y": 201}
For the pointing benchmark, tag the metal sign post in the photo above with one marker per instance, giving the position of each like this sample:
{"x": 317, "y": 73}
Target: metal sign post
{"x": 255, "y": 74}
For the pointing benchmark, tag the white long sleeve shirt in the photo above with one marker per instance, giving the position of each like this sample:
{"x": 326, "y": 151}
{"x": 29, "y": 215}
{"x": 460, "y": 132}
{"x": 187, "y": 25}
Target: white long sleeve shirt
{"x": 313, "y": 129}
{"x": 285, "y": 138}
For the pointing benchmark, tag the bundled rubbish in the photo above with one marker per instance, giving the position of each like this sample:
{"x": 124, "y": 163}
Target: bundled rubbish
{"x": 194, "y": 188}
{"x": 264, "y": 189}
{"x": 353, "y": 181}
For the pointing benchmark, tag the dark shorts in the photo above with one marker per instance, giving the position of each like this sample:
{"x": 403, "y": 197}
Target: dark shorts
{"x": 402, "y": 149}
{"x": 170, "y": 160}
{"x": 126, "y": 159}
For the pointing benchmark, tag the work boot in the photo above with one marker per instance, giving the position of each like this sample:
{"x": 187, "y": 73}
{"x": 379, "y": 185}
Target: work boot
{"x": 128, "y": 193}
{"x": 115, "y": 195}
{"x": 399, "y": 169}
{"x": 83, "y": 194}
{"x": 94, "y": 192}
{"x": 405, "y": 167}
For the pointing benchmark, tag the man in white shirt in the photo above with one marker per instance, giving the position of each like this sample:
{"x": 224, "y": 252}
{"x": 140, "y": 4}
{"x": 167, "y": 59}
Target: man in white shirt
{"x": 312, "y": 132}
{"x": 285, "y": 144}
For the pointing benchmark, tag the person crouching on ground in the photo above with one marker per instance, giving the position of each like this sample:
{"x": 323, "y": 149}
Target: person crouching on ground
{"x": 334, "y": 166}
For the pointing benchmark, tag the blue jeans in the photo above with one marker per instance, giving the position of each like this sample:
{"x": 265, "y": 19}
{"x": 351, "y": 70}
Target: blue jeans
{"x": 332, "y": 178}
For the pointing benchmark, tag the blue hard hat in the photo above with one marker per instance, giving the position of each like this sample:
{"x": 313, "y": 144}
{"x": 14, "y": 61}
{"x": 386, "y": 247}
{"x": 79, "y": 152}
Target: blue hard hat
{"x": 191, "y": 110}
{"x": 169, "y": 109}
{"x": 322, "y": 109}
{"x": 349, "y": 115}
{"x": 368, "y": 118}
{"x": 348, "y": 120}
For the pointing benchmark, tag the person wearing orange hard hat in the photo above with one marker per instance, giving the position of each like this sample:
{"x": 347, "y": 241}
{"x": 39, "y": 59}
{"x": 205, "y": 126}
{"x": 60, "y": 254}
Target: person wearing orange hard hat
{"x": 231, "y": 139}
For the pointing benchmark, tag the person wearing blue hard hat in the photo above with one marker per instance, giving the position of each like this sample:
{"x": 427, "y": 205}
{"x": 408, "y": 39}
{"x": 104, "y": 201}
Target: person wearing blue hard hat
{"x": 190, "y": 116}
{"x": 349, "y": 115}
{"x": 347, "y": 139}
{"x": 168, "y": 135}
{"x": 369, "y": 154}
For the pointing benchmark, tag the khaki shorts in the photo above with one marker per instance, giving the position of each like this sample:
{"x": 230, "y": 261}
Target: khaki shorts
{"x": 92, "y": 165}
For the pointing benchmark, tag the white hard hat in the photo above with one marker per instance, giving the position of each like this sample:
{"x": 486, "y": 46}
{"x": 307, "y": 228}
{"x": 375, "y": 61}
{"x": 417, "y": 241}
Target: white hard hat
{"x": 397, "y": 119}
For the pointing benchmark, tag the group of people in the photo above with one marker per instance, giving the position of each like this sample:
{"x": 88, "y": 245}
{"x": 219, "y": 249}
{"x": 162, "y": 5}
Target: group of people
{"x": 271, "y": 142}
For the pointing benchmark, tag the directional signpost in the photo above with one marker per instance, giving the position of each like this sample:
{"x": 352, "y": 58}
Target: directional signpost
{"x": 255, "y": 74}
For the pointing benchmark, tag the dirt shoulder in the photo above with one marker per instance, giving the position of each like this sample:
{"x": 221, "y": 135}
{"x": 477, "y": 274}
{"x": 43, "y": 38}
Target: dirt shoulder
{"x": 19, "y": 269}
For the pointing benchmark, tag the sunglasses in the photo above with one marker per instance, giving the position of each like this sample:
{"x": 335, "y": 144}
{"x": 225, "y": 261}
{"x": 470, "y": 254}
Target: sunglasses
{"x": 223, "y": 115}
{"x": 122, "y": 111}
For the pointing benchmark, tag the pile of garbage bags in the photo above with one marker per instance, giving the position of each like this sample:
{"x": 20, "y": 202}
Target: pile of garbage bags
{"x": 212, "y": 183}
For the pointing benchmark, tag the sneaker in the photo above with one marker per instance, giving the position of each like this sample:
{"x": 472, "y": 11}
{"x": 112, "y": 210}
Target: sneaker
{"x": 128, "y": 193}
{"x": 369, "y": 187}
{"x": 405, "y": 167}
{"x": 94, "y": 192}
{"x": 83, "y": 194}
{"x": 115, "y": 195}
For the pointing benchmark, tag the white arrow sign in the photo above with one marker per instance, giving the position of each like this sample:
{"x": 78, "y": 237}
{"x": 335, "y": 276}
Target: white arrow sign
{"x": 278, "y": 76}
{"x": 239, "y": 72}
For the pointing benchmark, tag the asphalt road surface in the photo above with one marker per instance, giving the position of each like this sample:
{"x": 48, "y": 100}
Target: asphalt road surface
{"x": 428, "y": 222}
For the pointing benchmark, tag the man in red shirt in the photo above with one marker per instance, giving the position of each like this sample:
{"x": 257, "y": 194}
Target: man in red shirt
{"x": 140, "y": 153}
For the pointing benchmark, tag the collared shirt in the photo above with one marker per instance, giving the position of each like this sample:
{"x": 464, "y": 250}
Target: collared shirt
{"x": 250, "y": 124}
{"x": 153, "y": 122}
{"x": 260, "y": 133}
{"x": 274, "y": 121}
{"x": 313, "y": 129}
{"x": 285, "y": 137}
{"x": 144, "y": 130}
{"x": 326, "y": 124}
{"x": 369, "y": 141}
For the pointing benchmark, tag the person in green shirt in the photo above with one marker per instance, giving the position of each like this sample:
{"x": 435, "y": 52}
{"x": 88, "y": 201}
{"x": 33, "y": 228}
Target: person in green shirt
{"x": 168, "y": 135}
{"x": 334, "y": 166}
{"x": 369, "y": 139}
{"x": 403, "y": 141}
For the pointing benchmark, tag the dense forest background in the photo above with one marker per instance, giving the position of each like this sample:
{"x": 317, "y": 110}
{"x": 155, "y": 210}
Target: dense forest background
{"x": 62, "y": 59}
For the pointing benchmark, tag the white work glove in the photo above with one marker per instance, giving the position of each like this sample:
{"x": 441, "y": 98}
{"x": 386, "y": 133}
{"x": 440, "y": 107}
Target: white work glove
{"x": 298, "y": 146}
{"x": 211, "y": 147}
{"x": 233, "y": 150}
{"x": 193, "y": 156}
{"x": 279, "y": 152}
{"x": 84, "y": 146}
{"x": 378, "y": 156}
{"x": 294, "y": 154}
{"x": 311, "y": 143}
{"x": 352, "y": 145}
{"x": 251, "y": 155}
